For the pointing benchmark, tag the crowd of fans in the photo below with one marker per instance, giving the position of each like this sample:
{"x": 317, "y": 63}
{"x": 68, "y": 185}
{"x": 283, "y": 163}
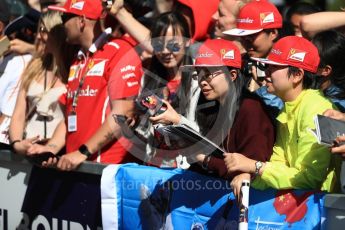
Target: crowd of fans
{"x": 247, "y": 75}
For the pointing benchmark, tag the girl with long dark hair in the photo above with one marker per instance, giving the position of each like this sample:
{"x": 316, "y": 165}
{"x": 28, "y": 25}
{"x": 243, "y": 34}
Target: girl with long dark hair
{"x": 231, "y": 117}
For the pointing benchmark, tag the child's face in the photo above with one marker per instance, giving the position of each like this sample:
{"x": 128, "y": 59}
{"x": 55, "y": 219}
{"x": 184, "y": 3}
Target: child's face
{"x": 277, "y": 80}
{"x": 259, "y": 44}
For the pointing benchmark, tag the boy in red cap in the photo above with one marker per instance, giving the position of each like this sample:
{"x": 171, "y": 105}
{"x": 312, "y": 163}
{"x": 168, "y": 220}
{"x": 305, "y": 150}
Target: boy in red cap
{"x": 298, "y": 161}
{"x": 258, "y": 24}
{"x": 103, "y": 80}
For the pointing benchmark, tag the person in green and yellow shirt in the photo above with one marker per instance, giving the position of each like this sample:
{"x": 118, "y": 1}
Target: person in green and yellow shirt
{"x": 298, "y": 161}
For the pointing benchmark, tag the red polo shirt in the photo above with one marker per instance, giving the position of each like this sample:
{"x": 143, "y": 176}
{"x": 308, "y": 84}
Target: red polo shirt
{"x": 112, "y": 72}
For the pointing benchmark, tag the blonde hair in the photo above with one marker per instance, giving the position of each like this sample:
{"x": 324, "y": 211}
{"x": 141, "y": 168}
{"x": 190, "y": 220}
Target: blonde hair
{"x": 42, "y": 61}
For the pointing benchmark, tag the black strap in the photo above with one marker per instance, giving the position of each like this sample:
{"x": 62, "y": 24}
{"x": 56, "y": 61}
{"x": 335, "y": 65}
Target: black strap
{"x": 45, "y": 118}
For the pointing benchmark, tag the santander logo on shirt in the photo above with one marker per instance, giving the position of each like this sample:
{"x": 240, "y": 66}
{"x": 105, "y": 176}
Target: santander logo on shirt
{"x": 86, "y": 92}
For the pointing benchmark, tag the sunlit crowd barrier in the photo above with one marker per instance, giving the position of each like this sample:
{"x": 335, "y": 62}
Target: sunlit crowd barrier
{"x": 141, "y": 197}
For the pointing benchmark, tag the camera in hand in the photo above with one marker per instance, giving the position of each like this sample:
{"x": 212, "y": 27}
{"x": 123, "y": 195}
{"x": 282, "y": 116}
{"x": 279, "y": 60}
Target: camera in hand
{"x": 37, "y": 159}
{"x": 247, "y": 68}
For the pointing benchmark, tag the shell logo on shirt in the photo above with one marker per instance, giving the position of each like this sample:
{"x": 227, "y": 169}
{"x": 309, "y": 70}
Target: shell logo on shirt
{"x": 96, "y": 69}
{"x": 73, "y": 72}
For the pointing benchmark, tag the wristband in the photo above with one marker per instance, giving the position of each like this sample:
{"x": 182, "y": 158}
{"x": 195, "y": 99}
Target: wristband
{"x": 258, "y": 166}
{"x": 205, "y": 162}
{"x": 85, "y": 151}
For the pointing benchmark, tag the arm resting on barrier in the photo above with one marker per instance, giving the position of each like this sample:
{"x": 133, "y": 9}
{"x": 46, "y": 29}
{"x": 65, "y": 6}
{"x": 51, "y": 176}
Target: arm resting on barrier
{"x": 55, "y": 143}
{"x": 106, "y": 133}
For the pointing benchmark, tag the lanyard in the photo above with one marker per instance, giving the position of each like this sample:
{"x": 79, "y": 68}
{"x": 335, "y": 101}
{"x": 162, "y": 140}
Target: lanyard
{"x": 89, "y": 65}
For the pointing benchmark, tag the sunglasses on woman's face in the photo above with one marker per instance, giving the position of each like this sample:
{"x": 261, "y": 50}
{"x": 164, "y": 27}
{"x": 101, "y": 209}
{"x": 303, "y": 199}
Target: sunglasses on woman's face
{"x": 172, "y": 46}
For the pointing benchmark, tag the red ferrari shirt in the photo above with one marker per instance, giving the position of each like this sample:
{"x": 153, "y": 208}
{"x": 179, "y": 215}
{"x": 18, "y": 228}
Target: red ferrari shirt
{"x": 112, "y": 72}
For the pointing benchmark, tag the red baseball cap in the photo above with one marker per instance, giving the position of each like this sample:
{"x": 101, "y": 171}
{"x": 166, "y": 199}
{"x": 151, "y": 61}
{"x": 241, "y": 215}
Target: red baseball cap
{"x": 293, "y": 51}
{"x": 216, "y": 53}
{"x": 256, "y": 16}
{"x": 91, "y": 9}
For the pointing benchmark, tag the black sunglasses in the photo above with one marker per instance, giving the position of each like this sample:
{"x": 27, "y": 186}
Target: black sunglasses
{"x": 65, "y": 17}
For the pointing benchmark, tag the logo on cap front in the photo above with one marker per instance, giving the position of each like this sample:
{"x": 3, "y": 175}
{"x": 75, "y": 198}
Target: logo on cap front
{"x": 228, "y": 54}
{"x": 205, "y": 55}
{"x": 266, "y": 17}
{"x": 297, "y": 55}
{"x": 78, "y": 5}
{"x": 245, "y": 20}
{"x": 275, "y": 51}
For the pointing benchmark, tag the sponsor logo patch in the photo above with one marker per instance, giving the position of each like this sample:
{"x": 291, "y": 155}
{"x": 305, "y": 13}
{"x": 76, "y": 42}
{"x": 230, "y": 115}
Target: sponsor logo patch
{"x": 128, "y": 75}
{"x": 297, "y": 55}
{"x": 127, "y": 68}
{"x": 131, "y": 84}
{"x": 85, "y": 92}
{"x": 73, "y": 73}
{"x": 275, "y": 51}
{"x": 78, "y": 5}
{"x": 266, "y": 17}
{"x": 96, "y": 69}
{"x": 245, "y": 20}
{"x": 205, "y": 55}
{"x": 230, "y": 54}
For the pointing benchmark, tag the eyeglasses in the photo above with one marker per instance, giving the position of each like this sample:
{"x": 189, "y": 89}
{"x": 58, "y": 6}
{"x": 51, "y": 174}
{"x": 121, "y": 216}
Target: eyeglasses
{"x": 206, "y": 75}
{"x": 172, "y": 46}
{"x": 65, "y": 17}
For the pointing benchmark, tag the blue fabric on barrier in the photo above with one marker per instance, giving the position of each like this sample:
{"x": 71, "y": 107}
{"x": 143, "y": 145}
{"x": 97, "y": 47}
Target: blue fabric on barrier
{"x": 153, "y": 198}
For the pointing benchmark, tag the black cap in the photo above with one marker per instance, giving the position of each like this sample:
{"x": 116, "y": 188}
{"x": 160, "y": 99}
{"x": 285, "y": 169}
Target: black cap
{"x": 29, "y": 20}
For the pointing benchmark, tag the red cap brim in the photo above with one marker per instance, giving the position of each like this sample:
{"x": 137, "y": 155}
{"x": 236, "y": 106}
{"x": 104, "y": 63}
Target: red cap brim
{"x": 57, "y": 8}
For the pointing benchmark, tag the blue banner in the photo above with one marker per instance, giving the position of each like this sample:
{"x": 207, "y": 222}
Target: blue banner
{"x": 151, "y": 198}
